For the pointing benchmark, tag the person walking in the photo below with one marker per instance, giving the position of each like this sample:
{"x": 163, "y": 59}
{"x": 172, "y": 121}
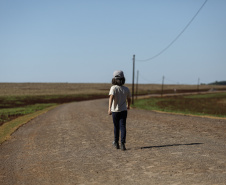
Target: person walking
{"x": 119, "y": 103}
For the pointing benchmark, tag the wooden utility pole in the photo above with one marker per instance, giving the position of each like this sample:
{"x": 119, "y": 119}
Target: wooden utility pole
{"x": 162, "y": 85}
{"x": 133, "y": 80}
{"x": 137, "y": 83}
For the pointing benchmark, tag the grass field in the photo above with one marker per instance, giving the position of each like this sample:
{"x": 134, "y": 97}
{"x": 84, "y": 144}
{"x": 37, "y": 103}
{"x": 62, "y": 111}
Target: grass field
{"x": 31, "y": 89}
{"x": 201, "y": 104}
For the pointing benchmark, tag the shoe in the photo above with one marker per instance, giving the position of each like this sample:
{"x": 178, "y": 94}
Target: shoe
{"x": 123, "y": 147}
{"x": 116, "y": 145}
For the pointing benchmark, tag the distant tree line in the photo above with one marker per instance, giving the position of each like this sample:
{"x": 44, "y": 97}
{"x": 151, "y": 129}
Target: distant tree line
{"x": 218, "y": 83}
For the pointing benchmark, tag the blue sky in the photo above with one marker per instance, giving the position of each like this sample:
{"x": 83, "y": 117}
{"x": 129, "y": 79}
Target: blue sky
{"x": 86, "y": 40}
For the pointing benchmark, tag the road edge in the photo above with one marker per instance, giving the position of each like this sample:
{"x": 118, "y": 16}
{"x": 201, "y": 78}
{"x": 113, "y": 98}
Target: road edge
{"x": 8, "y": 128}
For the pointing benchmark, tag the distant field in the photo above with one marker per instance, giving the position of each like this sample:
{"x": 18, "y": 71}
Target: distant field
{"x": 9, "y": 89}
{"x": 200, "y": 104}
{"x": 52, "y": 89}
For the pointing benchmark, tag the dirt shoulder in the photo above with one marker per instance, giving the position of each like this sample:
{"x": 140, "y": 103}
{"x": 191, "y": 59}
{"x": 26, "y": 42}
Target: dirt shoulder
{"x": 72, "y": 144}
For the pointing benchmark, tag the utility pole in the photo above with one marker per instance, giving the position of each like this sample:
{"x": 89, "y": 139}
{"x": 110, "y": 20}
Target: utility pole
{"x": 137, "y": 83}
{"x": 133, "y": 80}
{"x": 162, "y": 85}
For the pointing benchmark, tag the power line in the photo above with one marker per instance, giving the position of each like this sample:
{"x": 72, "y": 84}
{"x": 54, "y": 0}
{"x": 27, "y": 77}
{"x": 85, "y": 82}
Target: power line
{"x": 174, "y": 40}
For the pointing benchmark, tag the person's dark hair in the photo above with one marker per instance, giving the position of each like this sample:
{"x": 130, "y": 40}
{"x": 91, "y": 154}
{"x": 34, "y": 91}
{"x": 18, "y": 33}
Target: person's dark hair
{"x": 119, "y": 82}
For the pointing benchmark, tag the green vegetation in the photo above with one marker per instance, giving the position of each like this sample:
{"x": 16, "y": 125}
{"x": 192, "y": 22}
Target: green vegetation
{"x": 214, "y": 95}
{"x": 18, "y": 110}
{"x": 207, "y": 104}
{"x": 8, "y": 128}
{"x": 15, "y": 106}
{"x": 8, "y": 114}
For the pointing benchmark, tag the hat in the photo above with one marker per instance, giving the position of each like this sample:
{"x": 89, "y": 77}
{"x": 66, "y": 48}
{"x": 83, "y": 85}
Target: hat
{"x": 118, "y": 74}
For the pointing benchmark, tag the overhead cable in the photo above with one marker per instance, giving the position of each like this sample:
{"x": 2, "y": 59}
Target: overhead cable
{"x": 174, "y": 40}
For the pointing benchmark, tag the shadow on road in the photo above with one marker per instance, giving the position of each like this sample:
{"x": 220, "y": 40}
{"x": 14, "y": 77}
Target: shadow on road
{"x": 161, "y": 146}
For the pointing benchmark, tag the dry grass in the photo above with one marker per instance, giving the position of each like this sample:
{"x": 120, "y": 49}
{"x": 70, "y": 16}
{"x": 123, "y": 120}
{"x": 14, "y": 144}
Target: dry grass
{"x": 200, "y": 104}
{"x": 18, "y": 89}
{"x": 8, "y": 128}
{"x": 52, "y": 88}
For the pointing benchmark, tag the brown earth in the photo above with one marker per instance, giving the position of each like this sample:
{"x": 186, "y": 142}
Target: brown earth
{"x": 72, "y": 144}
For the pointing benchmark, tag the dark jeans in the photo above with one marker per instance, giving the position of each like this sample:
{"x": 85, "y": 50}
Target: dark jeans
{"x": 119, "y": 120}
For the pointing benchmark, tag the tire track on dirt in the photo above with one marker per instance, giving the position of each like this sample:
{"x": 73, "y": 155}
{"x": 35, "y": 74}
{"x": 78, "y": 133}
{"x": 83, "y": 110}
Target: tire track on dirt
{"x": 72, "y": 144}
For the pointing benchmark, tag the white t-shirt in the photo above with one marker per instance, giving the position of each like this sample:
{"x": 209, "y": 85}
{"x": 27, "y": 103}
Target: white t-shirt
{"x": 121, "y": 93}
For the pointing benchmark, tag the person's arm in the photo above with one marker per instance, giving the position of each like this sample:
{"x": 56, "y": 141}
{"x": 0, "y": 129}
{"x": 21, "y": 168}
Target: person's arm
{"x": 128, "y": 102}
{"x": 110, "y": 104}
